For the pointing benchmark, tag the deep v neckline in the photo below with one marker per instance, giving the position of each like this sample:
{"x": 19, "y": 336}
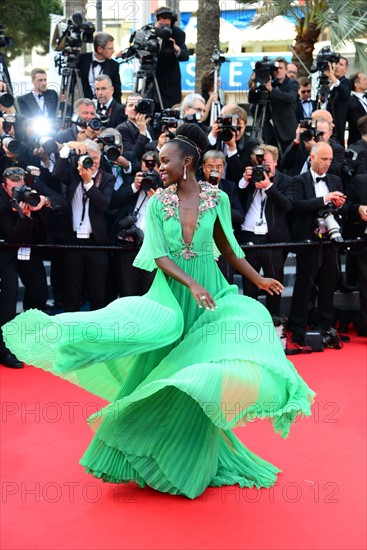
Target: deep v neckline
{"x": 189, "y": 244}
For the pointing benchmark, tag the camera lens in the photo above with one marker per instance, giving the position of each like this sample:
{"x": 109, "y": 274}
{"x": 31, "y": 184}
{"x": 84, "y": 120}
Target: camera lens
{"x": 86, "y": 161}
{"x": 95, "y": 124}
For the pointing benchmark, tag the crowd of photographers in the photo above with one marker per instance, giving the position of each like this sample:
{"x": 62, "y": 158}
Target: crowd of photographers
{"x": 88, "y": 185}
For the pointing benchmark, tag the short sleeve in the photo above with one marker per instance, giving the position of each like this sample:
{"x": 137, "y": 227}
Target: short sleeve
{"x": 154, "y": 244}
{"x": 224, "y": 215}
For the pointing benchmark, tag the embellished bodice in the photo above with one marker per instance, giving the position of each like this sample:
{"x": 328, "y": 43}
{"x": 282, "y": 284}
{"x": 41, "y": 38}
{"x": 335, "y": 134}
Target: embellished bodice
{"x": 202, "y": 241}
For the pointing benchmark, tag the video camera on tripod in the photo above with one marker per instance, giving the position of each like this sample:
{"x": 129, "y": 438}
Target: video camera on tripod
{"x": 69, "y": 38}
{"x": 321, "y": 64}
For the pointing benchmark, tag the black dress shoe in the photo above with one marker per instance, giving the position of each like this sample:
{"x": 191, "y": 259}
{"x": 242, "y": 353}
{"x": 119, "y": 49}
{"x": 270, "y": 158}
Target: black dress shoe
{"x": 9, "y": 360}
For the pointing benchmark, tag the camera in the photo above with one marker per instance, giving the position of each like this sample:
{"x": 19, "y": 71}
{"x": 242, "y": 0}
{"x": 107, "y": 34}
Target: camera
{"x": 111, "y": 149}
{"x": 264, "y": 69}
{"x": 258, "y": 173}
{"x": 164, "y": 32}
{"x": 311, "y": 131}
{"x": 5, "y": 41}
{"x": 84, "y": 160}
{"x": 24, "y": 194}
{"x": 348, "y": 168}
{"x": 68, "y": 39}
{"x": 331, "y": 339}
{"x": 217, "y": 58}
{"x": 8, "y": 121}
{"x": 227, "y": 126}
{"x": 150, "y": 178}
{"x": 323, "y": 58}
{"x": 128, "y": 234}
{"x": 48, "y": 144}
{"x": 95, "y": 123}
{"x": 195, "y": 118}
{"x": 145, "y": 107}
{"x": 168, "y": 118}
{"x": 12, "y": 144}
{"x": 327, "y": 224}
{"x": 213, "y": 177}
{"x": 6, "y": 100}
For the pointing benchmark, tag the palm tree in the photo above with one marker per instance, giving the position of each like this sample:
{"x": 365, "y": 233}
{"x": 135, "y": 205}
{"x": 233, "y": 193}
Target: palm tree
{"x": 208, "y": 21}
{"x": 345, "y": 20}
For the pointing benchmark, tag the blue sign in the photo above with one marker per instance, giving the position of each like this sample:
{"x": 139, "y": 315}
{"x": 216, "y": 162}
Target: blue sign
{"x": 234, "y": 73}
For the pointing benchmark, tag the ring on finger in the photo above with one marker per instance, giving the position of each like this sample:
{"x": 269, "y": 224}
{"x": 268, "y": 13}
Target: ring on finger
{"x": 202, "y": 298}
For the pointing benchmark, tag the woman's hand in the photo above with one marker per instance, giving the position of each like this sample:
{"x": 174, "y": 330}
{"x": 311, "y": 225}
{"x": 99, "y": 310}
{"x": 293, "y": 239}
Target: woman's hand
{"x": 270, "y": 285}
{"x": 202, "y": 297}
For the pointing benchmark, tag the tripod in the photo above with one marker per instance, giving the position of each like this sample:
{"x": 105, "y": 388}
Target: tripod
{"x": 216, "y": 106}
{"x": 146, "y": 82}
{"x": 70, "y": 80}
{"x": 323, "y": 92}
{"x": 259, "y": 116}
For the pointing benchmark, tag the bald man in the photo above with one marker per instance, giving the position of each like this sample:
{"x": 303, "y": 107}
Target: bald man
{"x": 313, "y": 192}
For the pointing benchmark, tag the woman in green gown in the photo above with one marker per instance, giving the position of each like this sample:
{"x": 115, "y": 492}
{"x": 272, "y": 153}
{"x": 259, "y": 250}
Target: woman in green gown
{"x": 182, "y": 365}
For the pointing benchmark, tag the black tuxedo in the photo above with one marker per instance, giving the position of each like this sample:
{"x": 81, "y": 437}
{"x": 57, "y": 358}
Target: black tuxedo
{"x": 110, "y": 68}
{"x": 84, "y": 268}
{"x": 299, "y": 109}
{"x": 132, "y": 139}
{"x": 316, "y": 266}
{"x": 338, "y": 107}
{"x": 281, "y": 109}
{"x": 295, "y": 156}
{"x": 356, "y": 227}
{"x": 115, "y": 113}
{"x": 29, "y": 107}
{"x": 236, "y": 164}
{"x": 277, "y": 205}
{"x": 355, "y": 111}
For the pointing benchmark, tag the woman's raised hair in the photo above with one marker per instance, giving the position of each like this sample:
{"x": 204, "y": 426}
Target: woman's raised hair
{"x": 193, "y": 137}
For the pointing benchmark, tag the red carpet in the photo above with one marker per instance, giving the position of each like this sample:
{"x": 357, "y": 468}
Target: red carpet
{"x": 48, "y": 502}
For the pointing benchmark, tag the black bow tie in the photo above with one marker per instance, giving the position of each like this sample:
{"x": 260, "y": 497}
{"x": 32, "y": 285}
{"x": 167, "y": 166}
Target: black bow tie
{"x": 323, "y": 178}
{"x": 306, "y": 100}
{"x": 40, "y": 95}
{"x": 95, "y": 63}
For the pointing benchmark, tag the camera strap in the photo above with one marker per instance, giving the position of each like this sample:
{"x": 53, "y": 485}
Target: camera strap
{"x": 97, "y": 182}
{"x": 136, "y": 211}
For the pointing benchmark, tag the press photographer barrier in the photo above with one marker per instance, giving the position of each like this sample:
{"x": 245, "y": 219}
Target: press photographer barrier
{"x": 291, "y": 247}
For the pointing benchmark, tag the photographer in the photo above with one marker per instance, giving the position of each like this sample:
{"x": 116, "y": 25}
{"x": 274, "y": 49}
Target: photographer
{"x": 315, "y": 195}
{"x": 127, "y": 224}
{"x": 213, "y": 167}
{"x": 23, "y": 219}
{"x": 228, "y": 135}
{"x": 136, "y": 132}
{"x": 265, "y": 198}
{"x": 280, "y": 120}
{"x": 357, "y": 106}
{"x": 340, "y": 89}
{"x": 296, "y": 158}
{"x": 99, "y": 62}
{"x": 356, "y": 227}
{"x": 107, "y": 106}
{"x": 84, "y": 115}
{"x": 89, "y": 190}
{"x": 40, "y": 101}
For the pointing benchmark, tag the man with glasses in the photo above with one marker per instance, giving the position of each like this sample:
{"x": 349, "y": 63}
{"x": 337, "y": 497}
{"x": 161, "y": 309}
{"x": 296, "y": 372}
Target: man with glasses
{"x": 107, "y": 106}
{"x": 292, "y": 71}
{"x": 305, "y": 105}
{"x": 99, "y": 61}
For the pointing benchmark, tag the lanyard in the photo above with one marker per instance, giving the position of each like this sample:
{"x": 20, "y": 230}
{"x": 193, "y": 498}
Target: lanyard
{"x": 97, "y": 183}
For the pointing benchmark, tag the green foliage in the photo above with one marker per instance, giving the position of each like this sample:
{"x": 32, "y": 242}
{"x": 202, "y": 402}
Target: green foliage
{"x": 345, "y": 19}
{"x": 28, "y": 23}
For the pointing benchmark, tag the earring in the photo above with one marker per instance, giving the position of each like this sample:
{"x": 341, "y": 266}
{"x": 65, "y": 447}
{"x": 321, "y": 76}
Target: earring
{"x": 184, "y": 173}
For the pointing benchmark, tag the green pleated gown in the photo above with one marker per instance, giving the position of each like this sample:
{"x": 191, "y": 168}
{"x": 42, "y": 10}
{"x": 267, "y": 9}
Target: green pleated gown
{"x": 178, "y": 378}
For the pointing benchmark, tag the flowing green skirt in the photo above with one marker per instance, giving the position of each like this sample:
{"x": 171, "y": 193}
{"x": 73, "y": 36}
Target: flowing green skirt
{"x": 178, "y": 379}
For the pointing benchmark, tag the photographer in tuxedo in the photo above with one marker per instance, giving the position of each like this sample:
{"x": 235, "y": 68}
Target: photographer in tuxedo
{"x": 315, "y": 194}
{"x": 107, "y": 106}
{"x": 40, "y": 101}
{"x": 88, "y": 190}
{"x": 357, "y": 107}
{"x": 98, "y": 62}
{"x": 264, "y": 195}
{"x": 340, "y": 89}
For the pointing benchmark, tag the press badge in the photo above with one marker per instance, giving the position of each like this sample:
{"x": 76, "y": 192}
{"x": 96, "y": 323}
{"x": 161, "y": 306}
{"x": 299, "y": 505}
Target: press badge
{"x": 81, "y": 234}
{"x": 24, "y": 253}
{"x": 260, "y": 228}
